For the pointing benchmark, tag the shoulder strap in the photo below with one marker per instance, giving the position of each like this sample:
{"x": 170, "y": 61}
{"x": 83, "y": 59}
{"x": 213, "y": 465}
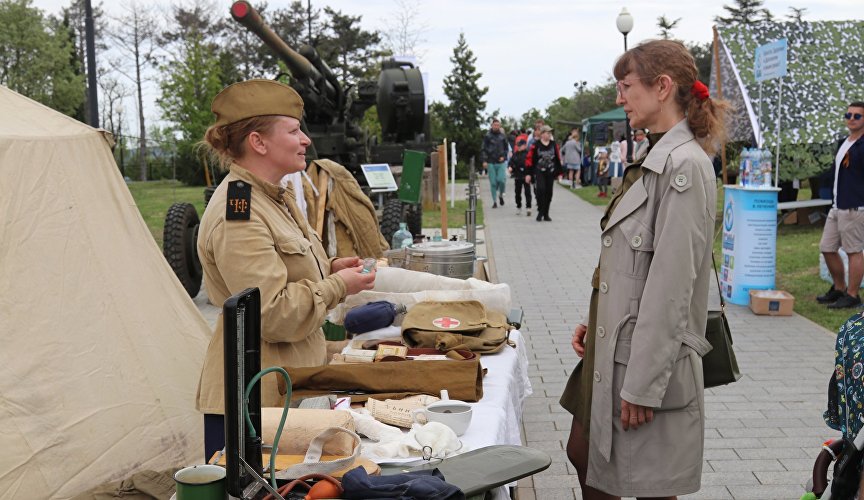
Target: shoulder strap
{"x": 714, "y": 267}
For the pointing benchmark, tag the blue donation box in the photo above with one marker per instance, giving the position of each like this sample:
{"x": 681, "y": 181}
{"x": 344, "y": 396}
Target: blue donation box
{"x": 749, "y": 242}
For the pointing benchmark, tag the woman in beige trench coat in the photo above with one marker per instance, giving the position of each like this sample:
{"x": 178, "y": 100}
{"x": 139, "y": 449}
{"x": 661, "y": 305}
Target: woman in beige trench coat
{"x": 637, "y": 396}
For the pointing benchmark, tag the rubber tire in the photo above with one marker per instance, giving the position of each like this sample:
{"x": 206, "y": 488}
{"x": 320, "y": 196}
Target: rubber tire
{"x": 390, "y": 218}
{"x": 415, "y": 219}
{"x": 208, "y": 193}
{"x": 179, "y": 245}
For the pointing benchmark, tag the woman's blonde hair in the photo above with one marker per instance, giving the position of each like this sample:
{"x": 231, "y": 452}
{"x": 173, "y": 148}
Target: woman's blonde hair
{"x": 652, "y": 58}
{"x": 224, "y": 144}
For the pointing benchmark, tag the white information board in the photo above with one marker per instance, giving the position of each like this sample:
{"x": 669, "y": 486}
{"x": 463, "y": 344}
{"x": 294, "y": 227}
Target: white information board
{"x": 770, "y": 60}
{"x": 379, "y": 177}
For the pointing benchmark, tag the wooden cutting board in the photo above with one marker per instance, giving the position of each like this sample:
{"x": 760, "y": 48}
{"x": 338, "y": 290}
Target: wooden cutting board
{"x": 285, "y": 461}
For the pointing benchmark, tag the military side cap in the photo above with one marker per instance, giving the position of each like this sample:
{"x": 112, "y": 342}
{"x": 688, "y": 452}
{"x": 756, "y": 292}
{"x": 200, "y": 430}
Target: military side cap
{"x": 255, "y": 98}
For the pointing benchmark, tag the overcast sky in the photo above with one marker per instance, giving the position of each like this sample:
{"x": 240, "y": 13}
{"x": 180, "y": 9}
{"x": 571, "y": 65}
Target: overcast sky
{"x": 531, "y": 52}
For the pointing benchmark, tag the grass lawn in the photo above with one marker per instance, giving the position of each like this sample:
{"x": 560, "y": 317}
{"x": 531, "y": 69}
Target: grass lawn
{"x": 455, "y": 216}
{"x": 155, "y": 197}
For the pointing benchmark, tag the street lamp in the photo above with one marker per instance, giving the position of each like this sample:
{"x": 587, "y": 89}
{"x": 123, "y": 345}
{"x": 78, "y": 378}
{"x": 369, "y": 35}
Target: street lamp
{"x": 625, "y": 25}
{"x": 580, "y": 86}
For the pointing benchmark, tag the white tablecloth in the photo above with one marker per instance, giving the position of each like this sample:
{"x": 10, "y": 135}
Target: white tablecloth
{"x": 497, "y": 417}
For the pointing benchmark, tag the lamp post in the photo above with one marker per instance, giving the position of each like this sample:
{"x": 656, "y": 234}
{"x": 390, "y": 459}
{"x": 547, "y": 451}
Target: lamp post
{"x": 580, "y": 85}
{"x": 625, "y": 25}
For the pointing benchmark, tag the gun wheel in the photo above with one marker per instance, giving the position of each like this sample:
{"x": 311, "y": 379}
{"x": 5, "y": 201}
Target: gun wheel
{"x": 390, "y": 218}
{"x": 415, "y": 219}
{"x": 179, "y": 244}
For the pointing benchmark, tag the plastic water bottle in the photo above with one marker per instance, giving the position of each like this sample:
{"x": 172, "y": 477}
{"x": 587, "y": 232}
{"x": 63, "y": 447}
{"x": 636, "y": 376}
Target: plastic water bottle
{"x": 744, "y": 167}
{"x": 755, "y": 168}
{"x": 402, "y": 237}
{"x": 436, "y": 236}
{"x": 767, "y": 168}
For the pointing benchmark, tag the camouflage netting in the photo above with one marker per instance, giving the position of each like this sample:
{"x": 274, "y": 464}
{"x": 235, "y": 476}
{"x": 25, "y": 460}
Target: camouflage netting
{"x": 825, "y": 71}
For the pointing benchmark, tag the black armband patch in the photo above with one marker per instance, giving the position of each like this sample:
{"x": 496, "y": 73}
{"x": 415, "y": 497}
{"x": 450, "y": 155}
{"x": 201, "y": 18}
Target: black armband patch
{"x": 239, "y": 202}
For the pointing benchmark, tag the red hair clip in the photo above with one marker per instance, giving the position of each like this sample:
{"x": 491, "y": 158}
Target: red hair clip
{"x": 699, "y": 90}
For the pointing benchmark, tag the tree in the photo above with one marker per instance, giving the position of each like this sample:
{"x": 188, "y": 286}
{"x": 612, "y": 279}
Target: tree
{"x": 796, "y": 15}
{"x": 75, "y": 14}
{"x": 666, "y": 26}
{"x": 746, "y": 12}
{"x": 134, "y": 34}
{"x": 191, "y": 78}
{"x": 35, "y": 57}
{"x": 351, "y": 52}
{"x": 463, "y": 114}
{"x": 703, "y": 54}
{"x": 405, "y": 30}
{"x": 530, "y": 117}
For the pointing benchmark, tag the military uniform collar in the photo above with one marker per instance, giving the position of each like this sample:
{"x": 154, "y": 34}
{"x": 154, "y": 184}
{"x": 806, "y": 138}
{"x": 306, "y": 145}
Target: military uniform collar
{"x": 676, "y": 136}
{"x": 271, "y": 190}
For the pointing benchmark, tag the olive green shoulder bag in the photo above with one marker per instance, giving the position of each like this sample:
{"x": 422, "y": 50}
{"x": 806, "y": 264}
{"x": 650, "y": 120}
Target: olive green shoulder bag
{"x": 719, "y": 366}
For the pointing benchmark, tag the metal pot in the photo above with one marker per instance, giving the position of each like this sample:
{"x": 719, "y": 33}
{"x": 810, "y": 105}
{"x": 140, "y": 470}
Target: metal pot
{"x": 454, "y": 259}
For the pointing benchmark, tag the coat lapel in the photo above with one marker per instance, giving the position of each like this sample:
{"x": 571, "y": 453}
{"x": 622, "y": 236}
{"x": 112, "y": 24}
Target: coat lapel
{"x": 632, "y": 199}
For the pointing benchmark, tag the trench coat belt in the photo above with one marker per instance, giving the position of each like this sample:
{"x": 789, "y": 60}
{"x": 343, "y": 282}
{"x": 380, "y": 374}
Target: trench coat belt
{"x": 595, "y": 279}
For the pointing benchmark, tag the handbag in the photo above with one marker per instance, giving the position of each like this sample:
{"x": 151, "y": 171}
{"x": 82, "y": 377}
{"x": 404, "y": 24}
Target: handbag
{"x": 719, "y": 366}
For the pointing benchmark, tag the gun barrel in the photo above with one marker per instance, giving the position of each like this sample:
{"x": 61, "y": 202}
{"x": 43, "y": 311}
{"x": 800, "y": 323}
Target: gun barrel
{"x": 300, "y": 67}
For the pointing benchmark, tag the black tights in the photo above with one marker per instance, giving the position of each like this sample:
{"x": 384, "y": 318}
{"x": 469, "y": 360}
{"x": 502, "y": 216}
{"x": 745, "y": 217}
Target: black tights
{"x": 577, "y": 453}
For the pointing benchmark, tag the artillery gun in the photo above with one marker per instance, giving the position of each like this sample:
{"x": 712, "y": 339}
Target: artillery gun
{"x": 331, "y": 118}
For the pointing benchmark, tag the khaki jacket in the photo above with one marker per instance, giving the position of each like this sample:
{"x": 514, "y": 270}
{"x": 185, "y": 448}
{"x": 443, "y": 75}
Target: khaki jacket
{"x": 279, "y": 253}
{"x": 655, "y": 265}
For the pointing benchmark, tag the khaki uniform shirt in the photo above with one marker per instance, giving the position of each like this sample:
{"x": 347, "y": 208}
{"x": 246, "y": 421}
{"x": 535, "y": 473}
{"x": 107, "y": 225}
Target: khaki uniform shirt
{"x": 276, "y": 251}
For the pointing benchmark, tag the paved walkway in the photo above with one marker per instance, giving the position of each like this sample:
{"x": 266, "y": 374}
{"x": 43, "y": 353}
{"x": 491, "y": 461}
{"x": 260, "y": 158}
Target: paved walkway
{"x": 762, "y": 433}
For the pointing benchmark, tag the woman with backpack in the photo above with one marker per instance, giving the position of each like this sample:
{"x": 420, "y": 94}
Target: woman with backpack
{"x": 637, "y": 395}
{"x": 543, "y": 163}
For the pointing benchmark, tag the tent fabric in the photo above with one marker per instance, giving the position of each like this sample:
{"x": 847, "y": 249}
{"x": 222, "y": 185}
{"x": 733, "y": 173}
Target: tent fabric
{"x": 102, "y": 347}
{"x": 613, "y": 115}
{"x": 825, "y": 71}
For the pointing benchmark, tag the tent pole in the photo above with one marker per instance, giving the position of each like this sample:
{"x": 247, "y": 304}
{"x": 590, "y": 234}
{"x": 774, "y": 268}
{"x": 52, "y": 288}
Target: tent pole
{"x": 719, "y": 96}
{"x": 779, "y": 114}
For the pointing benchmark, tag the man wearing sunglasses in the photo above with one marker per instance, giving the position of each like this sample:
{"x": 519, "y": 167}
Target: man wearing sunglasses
{"x": 844, "y": 227}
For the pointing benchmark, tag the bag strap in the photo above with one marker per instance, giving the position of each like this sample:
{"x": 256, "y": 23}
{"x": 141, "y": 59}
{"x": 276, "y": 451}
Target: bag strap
{"x": 714, "y": 267}
{"x": 312, "y": 463}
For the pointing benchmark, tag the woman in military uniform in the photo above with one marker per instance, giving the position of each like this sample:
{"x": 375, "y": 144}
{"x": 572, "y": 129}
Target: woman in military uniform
{"x": 637, "y": 395}
{"x": 254, "y": 235}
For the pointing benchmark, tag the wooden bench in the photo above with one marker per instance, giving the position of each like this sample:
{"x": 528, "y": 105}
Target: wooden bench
{"x": 788, "y": 208}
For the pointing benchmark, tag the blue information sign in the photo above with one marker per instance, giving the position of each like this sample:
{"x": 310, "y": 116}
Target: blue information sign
{"x": 770, "y": 60}
{"x": 749, "y": 242}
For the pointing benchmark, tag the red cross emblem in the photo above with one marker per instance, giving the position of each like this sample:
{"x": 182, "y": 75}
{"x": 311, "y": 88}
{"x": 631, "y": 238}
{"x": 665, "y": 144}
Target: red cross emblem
{"x": 446, "y": 322}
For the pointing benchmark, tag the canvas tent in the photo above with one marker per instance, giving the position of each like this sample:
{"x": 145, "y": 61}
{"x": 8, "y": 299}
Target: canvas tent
{"x": 825, "y": 71}
{"x": 614, "y": 116}
{"x": 102, "y": 347}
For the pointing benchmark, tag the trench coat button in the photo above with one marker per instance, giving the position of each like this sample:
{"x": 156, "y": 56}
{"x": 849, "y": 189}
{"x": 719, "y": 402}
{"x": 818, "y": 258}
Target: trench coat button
{"x": 636, "y": 241}
{"x": 607, "y": 241}
{"x": 680, "y": 180}
{"x": 596, "y": 376}
{"x": 604, "y": 287}
{"x": 601, "y": 332}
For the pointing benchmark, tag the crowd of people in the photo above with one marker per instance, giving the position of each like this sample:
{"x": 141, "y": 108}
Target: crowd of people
{"x": 534, "y": 161}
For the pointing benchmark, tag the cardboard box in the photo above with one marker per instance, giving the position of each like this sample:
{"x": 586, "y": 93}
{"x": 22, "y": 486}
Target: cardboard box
{"x": 771, "y": 302}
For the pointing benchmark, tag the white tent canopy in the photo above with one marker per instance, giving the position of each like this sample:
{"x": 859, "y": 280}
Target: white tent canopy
{"x": 101, "y": 346}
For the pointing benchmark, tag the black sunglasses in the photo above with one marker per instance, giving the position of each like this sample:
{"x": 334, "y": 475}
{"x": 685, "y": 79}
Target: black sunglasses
{"x": 849, "y": 116}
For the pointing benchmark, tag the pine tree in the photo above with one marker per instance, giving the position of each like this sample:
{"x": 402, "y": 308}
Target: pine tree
{"x": 464, "y": 113}
{"x": 746, "y": 12}
{"x": 666, "y": 26}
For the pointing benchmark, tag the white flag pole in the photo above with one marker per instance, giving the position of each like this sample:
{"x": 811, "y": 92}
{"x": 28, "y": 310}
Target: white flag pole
{"x": 452, "y": 174}
{"x": 779, "y": 114}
